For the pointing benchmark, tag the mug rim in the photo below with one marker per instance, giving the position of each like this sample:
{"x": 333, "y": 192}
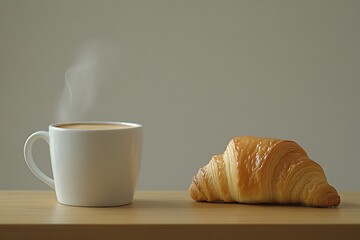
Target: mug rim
{"x": 130, "y": 125}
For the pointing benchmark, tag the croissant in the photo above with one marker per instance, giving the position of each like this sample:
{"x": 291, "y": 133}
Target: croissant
{"x": 263, "y": 170}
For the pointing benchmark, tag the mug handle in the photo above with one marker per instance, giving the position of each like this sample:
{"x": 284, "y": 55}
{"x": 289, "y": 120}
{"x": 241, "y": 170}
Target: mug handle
{"x": 29, "y": 158}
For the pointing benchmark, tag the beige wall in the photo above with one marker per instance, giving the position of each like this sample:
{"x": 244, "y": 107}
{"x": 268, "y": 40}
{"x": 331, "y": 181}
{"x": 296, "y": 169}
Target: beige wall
{"x": 195, "y": 73}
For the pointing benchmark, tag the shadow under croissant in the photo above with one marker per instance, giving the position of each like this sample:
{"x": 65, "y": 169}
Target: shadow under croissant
{"x": 267, "y": 204}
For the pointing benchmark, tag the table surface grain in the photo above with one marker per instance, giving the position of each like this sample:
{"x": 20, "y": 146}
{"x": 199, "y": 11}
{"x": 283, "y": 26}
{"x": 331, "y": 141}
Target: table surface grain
{"x": 172, "y": 214}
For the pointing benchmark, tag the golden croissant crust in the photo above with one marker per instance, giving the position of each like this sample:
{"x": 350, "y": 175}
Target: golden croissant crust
{"x": 263, "y": 170}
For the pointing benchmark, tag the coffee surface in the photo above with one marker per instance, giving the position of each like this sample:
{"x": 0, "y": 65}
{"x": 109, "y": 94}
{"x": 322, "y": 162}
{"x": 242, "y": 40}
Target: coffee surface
{"x": 94, "y": 126}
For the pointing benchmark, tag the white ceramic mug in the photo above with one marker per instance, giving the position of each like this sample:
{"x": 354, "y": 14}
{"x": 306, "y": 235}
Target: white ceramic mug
{"x": 93, "y": 163}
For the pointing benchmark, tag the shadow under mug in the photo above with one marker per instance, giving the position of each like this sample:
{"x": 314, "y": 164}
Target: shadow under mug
{"x": 93, "y": 163}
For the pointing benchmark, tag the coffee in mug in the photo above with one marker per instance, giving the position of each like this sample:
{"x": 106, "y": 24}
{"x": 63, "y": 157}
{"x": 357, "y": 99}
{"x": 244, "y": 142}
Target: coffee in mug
{"x": 83, "y": 126}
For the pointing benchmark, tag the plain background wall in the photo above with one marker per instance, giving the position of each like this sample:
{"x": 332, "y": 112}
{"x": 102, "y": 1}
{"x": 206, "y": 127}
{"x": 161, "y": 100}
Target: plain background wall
{"x": 194, "y": 73}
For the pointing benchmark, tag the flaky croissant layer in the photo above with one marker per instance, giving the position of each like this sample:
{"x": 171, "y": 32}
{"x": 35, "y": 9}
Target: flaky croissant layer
{"x": 263, "y": 170}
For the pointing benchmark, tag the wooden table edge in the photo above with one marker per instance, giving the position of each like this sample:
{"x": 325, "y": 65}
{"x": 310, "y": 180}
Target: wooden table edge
{"x": 179, "y": 231}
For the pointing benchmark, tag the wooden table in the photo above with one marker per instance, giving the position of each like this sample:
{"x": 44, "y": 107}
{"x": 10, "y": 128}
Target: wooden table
{"x": 172, "y": 215}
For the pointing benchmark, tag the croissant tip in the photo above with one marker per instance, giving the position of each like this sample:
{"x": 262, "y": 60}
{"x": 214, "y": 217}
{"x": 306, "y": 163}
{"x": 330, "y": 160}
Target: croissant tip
{"x": 334, "y": 201}
{"x": 330, "y": 200}
{"x": 195, "y": 192}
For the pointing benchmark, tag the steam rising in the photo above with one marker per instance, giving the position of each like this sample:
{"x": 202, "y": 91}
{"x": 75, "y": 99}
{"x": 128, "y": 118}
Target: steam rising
{"x": 94, "y": 64}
